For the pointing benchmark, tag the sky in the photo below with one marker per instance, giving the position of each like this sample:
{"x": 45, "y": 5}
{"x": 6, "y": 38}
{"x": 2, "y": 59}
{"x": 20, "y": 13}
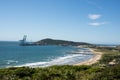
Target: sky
{"x": 93, "y": 21}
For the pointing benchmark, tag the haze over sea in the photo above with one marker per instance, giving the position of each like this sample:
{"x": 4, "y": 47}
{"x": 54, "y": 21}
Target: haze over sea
{"x": 11, "y": 54}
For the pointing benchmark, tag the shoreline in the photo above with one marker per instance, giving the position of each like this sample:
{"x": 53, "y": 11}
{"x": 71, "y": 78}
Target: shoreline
{"x": 97, "y": 56}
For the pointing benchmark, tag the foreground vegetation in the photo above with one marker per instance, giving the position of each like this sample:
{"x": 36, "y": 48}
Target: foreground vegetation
{"x": 102, "y": 70}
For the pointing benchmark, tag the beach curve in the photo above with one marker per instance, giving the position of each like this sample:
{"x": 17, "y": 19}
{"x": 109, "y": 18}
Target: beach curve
{"x": 97, "y": 56}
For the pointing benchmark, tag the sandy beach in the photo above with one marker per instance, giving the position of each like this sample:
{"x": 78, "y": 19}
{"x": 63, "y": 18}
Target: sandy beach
{"x": 93, "y": 60}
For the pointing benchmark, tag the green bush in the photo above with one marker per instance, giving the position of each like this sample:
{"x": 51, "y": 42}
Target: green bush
{"x": 110, "y": 73}
{"x": 24, "y": 72}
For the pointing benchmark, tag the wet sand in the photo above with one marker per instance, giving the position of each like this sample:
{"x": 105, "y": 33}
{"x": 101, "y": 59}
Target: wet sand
{"x": 97, "y": 56}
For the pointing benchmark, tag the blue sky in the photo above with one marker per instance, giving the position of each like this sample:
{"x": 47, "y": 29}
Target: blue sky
{"x": 93, "y": 21}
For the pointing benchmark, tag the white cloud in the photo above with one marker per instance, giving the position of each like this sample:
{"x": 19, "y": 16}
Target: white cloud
{"x": 94, "y": 16}
{"x": 97, "y": 23}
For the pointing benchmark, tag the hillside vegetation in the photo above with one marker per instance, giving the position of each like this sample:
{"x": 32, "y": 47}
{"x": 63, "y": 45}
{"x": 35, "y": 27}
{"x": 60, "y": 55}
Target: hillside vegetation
{"x": 59, "y": 42}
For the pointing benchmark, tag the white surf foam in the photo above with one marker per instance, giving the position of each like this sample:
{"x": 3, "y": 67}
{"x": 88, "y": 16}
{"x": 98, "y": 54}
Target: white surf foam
{"x": 57, "y": 61}
{"x": 11, "y": 61}
{"x": 32, "y": 64}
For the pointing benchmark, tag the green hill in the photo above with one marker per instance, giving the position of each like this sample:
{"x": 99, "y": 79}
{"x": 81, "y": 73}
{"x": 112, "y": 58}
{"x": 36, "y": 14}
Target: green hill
{"x": 59, "y": 42}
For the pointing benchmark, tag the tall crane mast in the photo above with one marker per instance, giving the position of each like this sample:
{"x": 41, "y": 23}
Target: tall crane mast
{"x": 23, "y": 41}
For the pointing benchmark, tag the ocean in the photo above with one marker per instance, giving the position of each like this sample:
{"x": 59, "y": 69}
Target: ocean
{"x": 13, "y": 55}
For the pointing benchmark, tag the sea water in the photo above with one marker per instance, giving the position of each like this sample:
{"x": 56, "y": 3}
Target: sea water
{"x": 13, "y": 55}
